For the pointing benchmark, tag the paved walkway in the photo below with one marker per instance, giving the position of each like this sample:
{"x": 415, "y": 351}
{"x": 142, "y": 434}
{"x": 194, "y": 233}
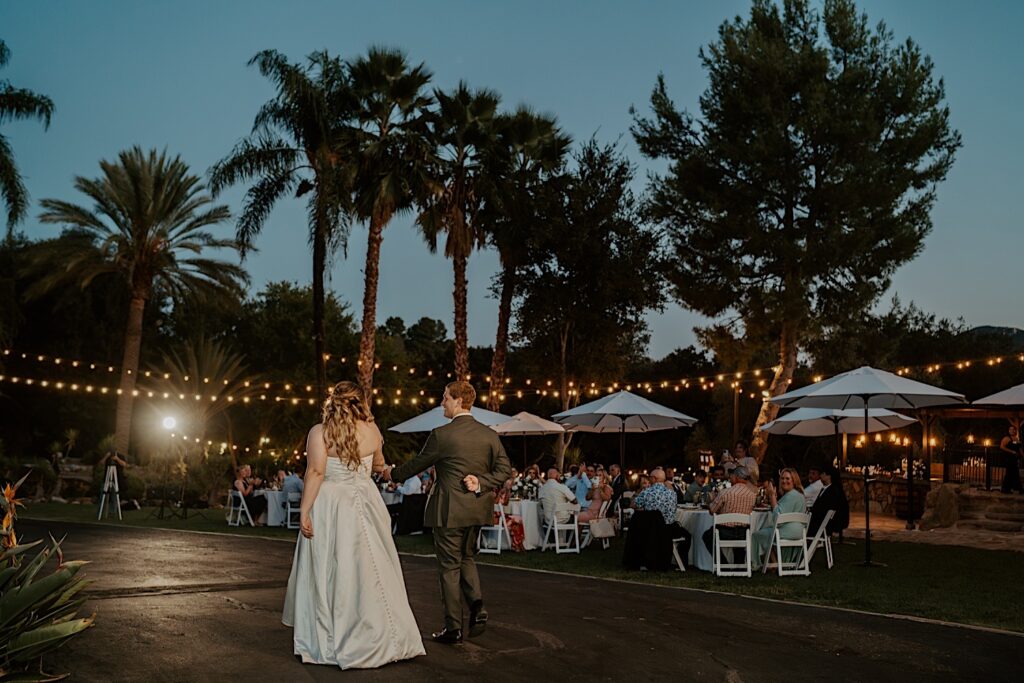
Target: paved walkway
{"x": 179, "y": 606}
{"x": 886, "y": 528}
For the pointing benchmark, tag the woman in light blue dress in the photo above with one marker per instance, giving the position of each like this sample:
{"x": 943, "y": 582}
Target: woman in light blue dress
{"x": 792, "y": 500}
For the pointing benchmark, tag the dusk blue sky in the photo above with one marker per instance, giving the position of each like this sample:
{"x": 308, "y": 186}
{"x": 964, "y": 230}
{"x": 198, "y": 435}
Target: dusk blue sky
{"x": 173, "y": 75}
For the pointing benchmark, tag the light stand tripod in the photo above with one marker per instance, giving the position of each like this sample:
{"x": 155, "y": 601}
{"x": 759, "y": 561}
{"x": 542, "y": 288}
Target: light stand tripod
{"x": 109, "y": 495}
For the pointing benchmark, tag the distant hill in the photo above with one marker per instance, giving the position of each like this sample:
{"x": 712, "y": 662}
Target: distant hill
{"x": 1015, "y": 334}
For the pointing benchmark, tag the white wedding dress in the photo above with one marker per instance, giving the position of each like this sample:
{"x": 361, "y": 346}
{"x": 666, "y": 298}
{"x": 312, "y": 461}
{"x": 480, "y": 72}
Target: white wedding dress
{"x": 346, "y": 594}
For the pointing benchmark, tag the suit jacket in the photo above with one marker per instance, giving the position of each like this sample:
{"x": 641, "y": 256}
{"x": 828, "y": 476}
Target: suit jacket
{"x": 462, "y": 447}
{"x": 831, "y": 498}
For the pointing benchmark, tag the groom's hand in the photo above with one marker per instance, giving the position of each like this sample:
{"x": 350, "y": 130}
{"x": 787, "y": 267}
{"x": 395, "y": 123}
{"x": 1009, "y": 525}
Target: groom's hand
{"x": 471, "y": 483}
{"x": 386, "y": 474}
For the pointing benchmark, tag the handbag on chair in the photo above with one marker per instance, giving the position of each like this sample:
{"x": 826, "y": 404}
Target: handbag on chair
{"x": 603, "y": 527}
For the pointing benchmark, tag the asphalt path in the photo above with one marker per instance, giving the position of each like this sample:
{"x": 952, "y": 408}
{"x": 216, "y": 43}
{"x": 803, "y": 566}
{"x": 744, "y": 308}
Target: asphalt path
{"x": 180, "y": 606}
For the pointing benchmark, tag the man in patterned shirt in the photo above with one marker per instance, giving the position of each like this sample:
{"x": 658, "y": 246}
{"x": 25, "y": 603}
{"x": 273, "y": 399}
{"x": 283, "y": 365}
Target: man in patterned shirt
{"x": 738, "y": 498}
{"x": 659, "y": 497}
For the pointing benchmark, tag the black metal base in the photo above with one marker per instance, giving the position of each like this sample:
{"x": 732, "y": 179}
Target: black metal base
{"x": 871, "y": 563}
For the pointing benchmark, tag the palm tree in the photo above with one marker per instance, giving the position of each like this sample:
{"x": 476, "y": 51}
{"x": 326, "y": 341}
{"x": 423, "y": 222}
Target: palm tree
{"x": 148, "y": 226}
{"x": 389, "y": 138}
{"x": 464, "y": 135}
{"x": 16, "y": 103}
{"x": 297, "y": 146}
{"x": 532, "y": 150}
{"x": 207, "y": 368}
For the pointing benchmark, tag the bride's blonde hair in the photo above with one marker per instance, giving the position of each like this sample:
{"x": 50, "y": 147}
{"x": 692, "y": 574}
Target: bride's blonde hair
{"x": 345, "y": 405}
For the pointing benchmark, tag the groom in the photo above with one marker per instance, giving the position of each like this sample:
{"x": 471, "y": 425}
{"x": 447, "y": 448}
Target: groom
{"x": 469, "y": 462}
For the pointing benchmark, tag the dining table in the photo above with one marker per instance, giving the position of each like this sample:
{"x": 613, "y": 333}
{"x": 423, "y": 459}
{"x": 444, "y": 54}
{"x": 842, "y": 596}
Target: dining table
{"x": 697, "y": 520}
{"x": 275, "y": 514}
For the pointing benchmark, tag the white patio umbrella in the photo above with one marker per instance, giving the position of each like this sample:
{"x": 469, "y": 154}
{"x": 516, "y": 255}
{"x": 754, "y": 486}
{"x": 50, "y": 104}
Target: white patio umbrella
{"x": 434, "y": 418}
{"x": 623, "y": 412}
{"x": 829, "y": 422}
{"x": 865, "y": 388}
{"x": 527, "y": 424}
{"x": 1012, "y": 397}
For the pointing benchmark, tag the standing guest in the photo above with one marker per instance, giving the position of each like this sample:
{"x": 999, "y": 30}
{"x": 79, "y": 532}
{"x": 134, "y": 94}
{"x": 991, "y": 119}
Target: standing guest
{"x": 697, "y": 487}
{"x": 741, "y": 454}
{"x": 618, "y": 483}
{"x": 246, "y": 484}
{"x": 580, "y": 484}
{"x": 832, "y": 497}
{"x": 791, "y": 500}
{"x": 739, "y": 499}
{"x": 1011, "y": 445}
{"x": 813, "y": 489}
{"x": 554, "y": 498}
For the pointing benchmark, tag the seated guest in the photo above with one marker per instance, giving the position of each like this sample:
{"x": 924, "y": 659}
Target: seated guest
{"x": 554, "y": 498}
{"x": 598, "y": 494}
{"x": 642, "y": 482}
{"x": 293, "y": 482}
{"x": 813, "y": 487}
{"x": 409, "y": 487}
{"x": 832, "y": 497}
{"x": 658, "y": 496}
{"x": 737, "y": 499}
{"x": 791, "y": 500}
{"x": 532, "y": 473}
{"x": 717, "y": 476}
{"x": 278, "y": 480}
{"x": 670, "y": 482}
{"x": 428, "y": 480}
{"x": 697, "y": 487}
{"x": 246, "y": 485}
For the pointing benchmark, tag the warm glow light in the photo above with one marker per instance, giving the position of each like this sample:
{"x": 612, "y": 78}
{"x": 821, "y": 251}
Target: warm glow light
{"x": 169, "y": 422}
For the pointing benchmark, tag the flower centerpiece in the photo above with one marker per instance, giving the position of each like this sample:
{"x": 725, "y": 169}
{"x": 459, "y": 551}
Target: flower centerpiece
{"x": 518, "y": 488}
{"x": 919, "y": 469}
{"x": 531, "y": 489}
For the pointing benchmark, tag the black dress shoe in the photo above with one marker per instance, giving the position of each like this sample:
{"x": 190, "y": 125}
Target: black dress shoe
{"x": 477, "y": 619}
{"x": 448, "y": 636}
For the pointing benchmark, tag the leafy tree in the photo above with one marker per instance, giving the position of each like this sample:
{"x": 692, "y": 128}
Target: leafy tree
{"x": 591, "y": 279}
{"x": 808, "y": 179}
{"x": 148, "y": 228}
{"x": 298, "y": 145}
{"x": 15, "y": 104}
{"x": 525, "y": 170}
{"x": 392, "y": 153}
{"x": 463, "y": 136}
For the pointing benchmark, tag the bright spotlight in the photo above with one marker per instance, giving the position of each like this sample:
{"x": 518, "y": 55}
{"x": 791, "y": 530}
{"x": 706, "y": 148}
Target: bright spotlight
{"x": 169, "y": 423}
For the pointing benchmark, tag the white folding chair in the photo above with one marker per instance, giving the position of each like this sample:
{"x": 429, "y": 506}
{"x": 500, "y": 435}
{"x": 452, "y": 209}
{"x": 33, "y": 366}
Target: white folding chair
{"x": 587, "y": 538}
{"x": 800, "y": 567}
{"x": 237, "y": 509}
{"x": 291, "y": 509}
{"x": 556, "y": 528}
{"x": 822, "y": 537}
{"x": 497, "y": 529}
{"x": 735, "y": 520}
{"x": 680, "y": 562}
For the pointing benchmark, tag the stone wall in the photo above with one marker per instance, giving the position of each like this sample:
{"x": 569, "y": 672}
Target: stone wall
{"x": 882, "y": 493}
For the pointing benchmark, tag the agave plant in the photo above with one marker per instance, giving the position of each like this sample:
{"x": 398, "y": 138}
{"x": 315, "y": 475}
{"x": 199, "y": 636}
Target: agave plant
{"x": 38, "y": 610}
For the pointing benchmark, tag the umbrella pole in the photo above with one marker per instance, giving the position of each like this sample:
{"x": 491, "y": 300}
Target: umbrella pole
{"x": 839, "y": 443}
{"x": 524, "y": 452}
{"x": 867, "y": 496}
{"x": 622, "y": 446}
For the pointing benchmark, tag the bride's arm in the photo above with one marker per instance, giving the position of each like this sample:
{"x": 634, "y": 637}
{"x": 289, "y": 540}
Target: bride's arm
{"x": 378, "y": 455}
{"x": 316, "y": 464}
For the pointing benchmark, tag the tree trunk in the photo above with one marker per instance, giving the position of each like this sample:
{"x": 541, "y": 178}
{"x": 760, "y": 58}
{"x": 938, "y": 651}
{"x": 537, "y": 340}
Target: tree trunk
{"x": 501, "y": 338}
{"x": 563, "y": 385}
{"x": 129, "y": 373}
{"x": 780, "y": 384}
{"x": 319, "y": 334}
{"x": 459, "y": 263}
{"x": 367, "y": 340}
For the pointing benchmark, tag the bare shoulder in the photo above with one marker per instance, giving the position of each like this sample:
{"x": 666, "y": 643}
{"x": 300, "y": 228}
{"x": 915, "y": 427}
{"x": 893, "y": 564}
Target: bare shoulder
{"x": 316, "y": 431}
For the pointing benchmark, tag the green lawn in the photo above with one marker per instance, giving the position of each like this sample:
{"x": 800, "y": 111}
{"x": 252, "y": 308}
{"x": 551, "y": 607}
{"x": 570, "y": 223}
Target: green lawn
{"x": 950, "y": 583}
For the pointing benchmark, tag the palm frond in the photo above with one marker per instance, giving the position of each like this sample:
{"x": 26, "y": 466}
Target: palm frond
{"x": 20, "y": 104}
{"x": 12, "y": 188}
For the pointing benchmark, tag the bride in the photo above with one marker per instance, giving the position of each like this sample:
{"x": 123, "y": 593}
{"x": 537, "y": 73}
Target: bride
{"x": 346, "y": 594}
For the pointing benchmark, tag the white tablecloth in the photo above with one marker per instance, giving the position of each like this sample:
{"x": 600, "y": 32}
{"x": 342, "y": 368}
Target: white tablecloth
{"x": 533, "y": 521}
{"x": 391, "y": 497}
{"x": 275, "y": 515}
{"x": 696, "y": 522}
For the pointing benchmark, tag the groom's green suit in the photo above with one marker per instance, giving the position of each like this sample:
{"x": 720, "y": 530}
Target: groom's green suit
{"x": 460, "y": 448}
